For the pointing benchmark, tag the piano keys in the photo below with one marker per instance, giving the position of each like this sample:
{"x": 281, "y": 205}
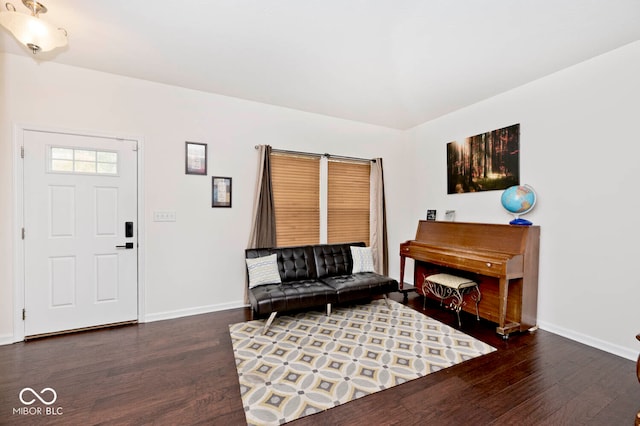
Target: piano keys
{"x": 502, "y": 259}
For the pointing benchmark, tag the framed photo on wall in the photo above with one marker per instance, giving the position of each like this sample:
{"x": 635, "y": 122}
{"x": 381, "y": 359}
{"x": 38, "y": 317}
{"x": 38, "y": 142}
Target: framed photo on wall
{"x": 195, "y": 161}
{"x": 220, "y": 191}
{"x": 486, "y": 162}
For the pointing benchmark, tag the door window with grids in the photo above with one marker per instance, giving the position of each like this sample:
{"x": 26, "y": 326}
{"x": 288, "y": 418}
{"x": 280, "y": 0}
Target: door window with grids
{"x": 82, "y": 161}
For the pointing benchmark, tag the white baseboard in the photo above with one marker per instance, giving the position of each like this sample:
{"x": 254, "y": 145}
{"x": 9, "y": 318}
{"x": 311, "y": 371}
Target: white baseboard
{"x": 7, "y": 339}
{"x": 624, "y": 352}
{"x": 160, "y": 316}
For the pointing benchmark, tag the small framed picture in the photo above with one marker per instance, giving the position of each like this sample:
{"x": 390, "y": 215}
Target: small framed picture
{"x": 195, "y": 161}
{"x": 431, "y": 215}
{"x": 450, "y": 215}
{"x": 220, "y": 191}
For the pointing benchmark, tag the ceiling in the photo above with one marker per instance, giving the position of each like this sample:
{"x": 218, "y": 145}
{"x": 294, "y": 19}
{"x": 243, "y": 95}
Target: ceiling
{"x": 393, "y": 63}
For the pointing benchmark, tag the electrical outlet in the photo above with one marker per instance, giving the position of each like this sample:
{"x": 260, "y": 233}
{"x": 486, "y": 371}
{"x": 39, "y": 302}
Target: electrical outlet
{"x": 164, "y": 216}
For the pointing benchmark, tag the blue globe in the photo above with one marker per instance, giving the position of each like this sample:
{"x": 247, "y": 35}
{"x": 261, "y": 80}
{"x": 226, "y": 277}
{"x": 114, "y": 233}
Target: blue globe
{"x": 519, "y": 200}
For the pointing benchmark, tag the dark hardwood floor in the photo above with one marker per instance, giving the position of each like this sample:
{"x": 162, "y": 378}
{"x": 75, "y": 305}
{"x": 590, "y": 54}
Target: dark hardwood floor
{"x": 182, "y": 372}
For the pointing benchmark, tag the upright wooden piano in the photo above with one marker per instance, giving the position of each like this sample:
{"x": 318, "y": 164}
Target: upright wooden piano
{"x": 502, "y": 259}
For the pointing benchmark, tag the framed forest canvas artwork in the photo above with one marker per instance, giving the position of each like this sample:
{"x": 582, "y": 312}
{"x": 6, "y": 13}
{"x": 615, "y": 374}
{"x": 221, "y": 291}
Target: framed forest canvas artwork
{"x": 485, "y": 162}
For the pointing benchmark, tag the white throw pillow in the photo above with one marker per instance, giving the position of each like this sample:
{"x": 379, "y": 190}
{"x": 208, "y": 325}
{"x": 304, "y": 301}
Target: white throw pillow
{"x": 362, "y": 259}
{"x": 263, "y": 270}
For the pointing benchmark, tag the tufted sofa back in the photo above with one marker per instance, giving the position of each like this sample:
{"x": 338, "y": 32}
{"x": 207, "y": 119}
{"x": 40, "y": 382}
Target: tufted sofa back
{"x": 294, "y": 263}
{"x": 334, "y": 259}
{"x": 309, "y": 262}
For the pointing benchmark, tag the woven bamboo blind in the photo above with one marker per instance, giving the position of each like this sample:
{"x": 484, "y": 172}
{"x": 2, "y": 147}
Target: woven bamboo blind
{"x": 296, "y": 193}
{"x": 348, "y": 202}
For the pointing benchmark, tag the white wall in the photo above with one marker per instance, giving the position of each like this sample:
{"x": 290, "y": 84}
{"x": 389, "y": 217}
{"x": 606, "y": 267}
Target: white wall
{"x": 197, "y": 263}
{"x": 580, "y": 151}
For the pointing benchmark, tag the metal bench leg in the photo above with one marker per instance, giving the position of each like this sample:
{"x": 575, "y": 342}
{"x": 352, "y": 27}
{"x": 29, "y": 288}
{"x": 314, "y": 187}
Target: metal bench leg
{"x": 269, "y": 321}
{"x": 328, "y": 309}
{"x": 457, "y": 304}
{"x": 477, "y": 302}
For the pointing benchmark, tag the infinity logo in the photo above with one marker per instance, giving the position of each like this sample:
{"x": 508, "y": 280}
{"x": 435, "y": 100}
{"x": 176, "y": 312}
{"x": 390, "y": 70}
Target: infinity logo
{"x": 55, "y": 396}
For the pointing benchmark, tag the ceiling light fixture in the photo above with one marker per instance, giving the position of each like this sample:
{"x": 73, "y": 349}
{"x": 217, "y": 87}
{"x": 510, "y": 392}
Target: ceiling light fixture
{"x": 30, "y": 30}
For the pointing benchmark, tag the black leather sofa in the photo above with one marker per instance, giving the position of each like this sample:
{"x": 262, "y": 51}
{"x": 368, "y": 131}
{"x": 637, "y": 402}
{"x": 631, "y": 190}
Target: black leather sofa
{"x": 313, "y": 276}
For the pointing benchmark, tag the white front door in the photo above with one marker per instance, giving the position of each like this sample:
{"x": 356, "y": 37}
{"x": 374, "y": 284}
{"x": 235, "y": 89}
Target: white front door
{"x": 80, "y": 231}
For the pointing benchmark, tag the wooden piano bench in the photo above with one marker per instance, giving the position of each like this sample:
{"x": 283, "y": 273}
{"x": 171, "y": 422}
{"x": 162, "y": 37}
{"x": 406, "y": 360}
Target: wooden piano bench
{"x": 446, "y": 286}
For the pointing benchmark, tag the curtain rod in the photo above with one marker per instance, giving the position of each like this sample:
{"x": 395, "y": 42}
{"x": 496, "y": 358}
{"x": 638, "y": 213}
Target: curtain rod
{"x": 315, "y": 154}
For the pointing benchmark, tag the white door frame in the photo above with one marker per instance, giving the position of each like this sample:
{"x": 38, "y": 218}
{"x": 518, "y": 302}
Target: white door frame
{"x": 18, "y": 219}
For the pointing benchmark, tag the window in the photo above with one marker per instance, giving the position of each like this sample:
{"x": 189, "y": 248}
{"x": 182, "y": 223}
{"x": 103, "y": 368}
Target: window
{"x": 348, "y": 202}
{"x": 296, "y": 193}
{"x": 85, "y": 161}
{"x": 319, "y": 200}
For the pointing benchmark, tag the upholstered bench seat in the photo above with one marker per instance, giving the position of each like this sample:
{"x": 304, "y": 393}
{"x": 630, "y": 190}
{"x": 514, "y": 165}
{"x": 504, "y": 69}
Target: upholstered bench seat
{"x": 447, "y": 286}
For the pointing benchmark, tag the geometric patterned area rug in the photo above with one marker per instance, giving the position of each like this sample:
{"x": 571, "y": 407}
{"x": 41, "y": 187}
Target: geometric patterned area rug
{"x": 310, "y": 362}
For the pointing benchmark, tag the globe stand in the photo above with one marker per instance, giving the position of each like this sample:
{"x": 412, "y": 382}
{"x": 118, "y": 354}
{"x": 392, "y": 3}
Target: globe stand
{"x": 520, "y": 222}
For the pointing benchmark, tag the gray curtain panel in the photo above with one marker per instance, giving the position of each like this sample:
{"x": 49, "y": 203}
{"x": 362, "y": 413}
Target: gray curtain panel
{"x": 263, "y": 231}
{"x": 378, "y": 219}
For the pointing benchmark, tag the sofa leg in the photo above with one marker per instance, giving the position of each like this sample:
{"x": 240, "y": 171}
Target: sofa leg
{"x": 328, "y": 309}
{"x": 386, "y": 301}
{"x": 269, "y": 321}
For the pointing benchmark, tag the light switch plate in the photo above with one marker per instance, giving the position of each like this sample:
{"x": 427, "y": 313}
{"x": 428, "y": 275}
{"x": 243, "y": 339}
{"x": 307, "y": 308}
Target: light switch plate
{"x": 164, "y": 216}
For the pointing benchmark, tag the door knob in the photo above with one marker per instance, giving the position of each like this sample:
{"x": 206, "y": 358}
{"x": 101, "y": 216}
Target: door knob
{"x": 126, "y": 246}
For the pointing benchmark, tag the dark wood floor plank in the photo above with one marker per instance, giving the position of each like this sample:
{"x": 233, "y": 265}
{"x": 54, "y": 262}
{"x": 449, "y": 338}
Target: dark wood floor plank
{"x": 182, "y": 372}
{"x": 584, "y": 406}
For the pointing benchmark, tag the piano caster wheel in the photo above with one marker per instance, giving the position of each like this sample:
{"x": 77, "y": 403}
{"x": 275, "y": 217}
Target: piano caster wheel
{"x": 505, "y": 337}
